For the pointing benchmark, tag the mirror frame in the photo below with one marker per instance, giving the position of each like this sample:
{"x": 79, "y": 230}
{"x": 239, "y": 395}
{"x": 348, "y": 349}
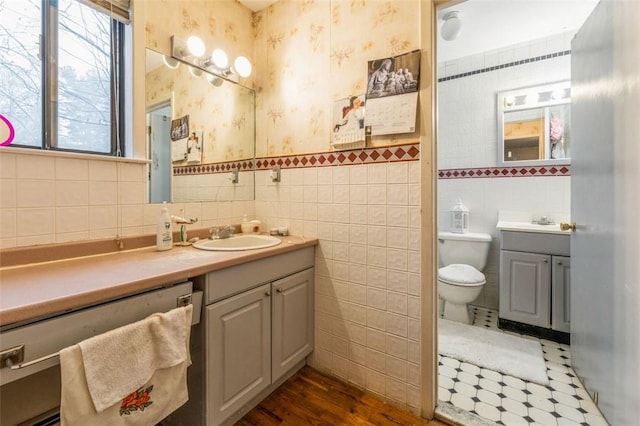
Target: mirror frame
{"x": 508, "y": 101}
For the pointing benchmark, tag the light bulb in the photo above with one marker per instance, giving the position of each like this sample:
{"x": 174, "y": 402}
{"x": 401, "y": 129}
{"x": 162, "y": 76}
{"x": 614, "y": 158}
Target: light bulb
{"x": 195, "y": 46}
{"x": 214, "y": 80}
{"x": 196, "y": 72}
{"x": 242, "y": 66}
{"x": 220, "y": 59}
{"x": 170, "y": 62}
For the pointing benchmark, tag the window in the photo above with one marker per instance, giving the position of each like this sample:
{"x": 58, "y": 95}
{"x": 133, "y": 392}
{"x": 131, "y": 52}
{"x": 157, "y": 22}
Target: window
{"x": 61, "y": 74}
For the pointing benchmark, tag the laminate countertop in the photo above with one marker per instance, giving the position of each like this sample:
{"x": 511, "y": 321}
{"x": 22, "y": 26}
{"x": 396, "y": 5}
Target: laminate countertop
{"x": 42, "y": 289}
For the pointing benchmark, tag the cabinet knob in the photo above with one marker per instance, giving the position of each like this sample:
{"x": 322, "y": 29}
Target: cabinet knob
{"x": 279, "y": 290}
{"x": 568, "y": 226}
{"x": 267, "y": 293}
{"x": 559, "y": 262}
{"x": 545, "y": 261}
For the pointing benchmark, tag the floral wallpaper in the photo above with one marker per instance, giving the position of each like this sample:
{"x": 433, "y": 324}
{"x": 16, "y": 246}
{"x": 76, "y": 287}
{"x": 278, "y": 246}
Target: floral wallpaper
{"x": 224, "y": 114}
{"x": 305, "y": 55}
{"x": 314, "y": 52}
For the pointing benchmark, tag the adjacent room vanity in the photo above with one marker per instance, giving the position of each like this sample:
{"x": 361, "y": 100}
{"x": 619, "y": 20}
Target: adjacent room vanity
{"x": 535, "y": 280}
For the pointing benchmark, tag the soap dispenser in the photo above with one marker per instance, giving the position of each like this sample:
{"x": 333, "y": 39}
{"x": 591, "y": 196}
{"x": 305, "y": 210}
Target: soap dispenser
{"x": 246, "y": 226}
{"x": 459, "y": 218}
{"x": 164, "y": 235}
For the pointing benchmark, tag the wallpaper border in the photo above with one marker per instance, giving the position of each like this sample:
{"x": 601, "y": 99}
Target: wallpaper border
{"x": 505, "y": 172}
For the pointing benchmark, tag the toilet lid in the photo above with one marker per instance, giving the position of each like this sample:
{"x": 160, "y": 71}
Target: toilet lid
{"x": 460, "y": 274}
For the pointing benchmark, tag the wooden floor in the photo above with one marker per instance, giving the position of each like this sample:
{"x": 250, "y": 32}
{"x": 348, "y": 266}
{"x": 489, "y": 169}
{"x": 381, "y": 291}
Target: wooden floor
{"x": 311, "y": 398}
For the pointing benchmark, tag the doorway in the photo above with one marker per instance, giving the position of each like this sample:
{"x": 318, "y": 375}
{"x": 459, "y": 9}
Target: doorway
{"x": 159, "y": 146}
{"x": 469, "y": 76}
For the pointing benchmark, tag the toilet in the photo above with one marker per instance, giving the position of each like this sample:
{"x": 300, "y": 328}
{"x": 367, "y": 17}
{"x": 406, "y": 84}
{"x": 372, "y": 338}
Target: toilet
{"x": 460, "y": 281}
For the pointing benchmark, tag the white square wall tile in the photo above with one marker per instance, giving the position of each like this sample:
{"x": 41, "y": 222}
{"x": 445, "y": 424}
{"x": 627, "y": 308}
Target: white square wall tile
{"x": 132, "y": 172}
{"x": 358, "y": 214}
{"x": 377, "y": 173}
{"x": 72, "y": 169}
{"x": 103, "y": 217}
{"x": 396, "y": 367}
{"x": 397, "y": 194}
{"x": 72, "y": 193}
{"x": 340, "y": 175}
{"x": 397, "y": 302}
{"x": 358, "y": 175}
{"x": 7, "y": 165}
{"x": 35, "y": 193}
{"x": 376, "y": 194}
{"x": 375, "y": 360}
{"x": 398, "y": 172}
{"x": 35, "y": 221}
{"x": 8, "y": 193}
{"x": 72, "y": 219}
{"x": 7, "y": 223}
{"x": 103, "y": 170}
{"x": 376, "y": 298}
{"x": 358, "y": 194}
{"x": 375, "y": 319}
{"x": 396, "y": 324}
{"x": 325, "y": 176}
{"x": 35, "y": 167}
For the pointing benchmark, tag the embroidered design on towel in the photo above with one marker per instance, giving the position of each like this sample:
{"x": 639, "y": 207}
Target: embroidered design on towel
{"x": 137, "y": 400}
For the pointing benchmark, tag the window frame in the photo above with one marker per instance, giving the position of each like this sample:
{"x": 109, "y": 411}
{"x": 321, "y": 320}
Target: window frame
{"x": 49, "y": 30}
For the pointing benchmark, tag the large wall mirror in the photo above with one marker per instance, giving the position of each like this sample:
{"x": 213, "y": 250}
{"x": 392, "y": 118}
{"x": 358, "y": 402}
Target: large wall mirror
{"x": 200, "y": 131}
{"x": 534, "y": 125}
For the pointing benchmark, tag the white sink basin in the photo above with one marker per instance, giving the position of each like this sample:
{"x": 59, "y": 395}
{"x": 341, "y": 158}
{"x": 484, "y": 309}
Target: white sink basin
{"x": 238, "y": 242}
{"x": 530, "y": 227}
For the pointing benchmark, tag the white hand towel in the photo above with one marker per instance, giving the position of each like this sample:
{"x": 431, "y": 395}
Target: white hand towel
{"x": 133, "y": 375}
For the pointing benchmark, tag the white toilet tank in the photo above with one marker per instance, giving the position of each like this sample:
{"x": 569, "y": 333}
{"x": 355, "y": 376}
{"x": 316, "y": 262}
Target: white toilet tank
{"x": 469, "y": 248}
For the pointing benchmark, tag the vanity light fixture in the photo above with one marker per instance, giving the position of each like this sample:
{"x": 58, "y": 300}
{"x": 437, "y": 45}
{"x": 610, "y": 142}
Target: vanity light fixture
{"x": 452, "y": 25}
{"x": 193, "y": 49}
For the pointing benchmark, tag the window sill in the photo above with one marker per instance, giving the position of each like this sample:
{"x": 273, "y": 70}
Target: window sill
{"x": 64, "y": 154}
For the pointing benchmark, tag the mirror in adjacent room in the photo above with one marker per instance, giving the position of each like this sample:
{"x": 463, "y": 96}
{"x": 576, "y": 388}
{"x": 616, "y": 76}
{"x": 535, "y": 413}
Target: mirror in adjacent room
{"x": 534, "y": 125}
{"x": 221, "y": 120}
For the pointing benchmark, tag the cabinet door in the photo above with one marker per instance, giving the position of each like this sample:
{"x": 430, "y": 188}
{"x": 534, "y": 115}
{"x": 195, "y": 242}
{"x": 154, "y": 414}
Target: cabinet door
{"x": 238, "y": 351}
{"x": 561, "y": 294}
{"x": 292, "y": 317}
{"x": 525, "y": 287}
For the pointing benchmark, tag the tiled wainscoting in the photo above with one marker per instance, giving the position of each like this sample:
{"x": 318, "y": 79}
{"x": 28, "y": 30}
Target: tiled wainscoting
{"x": 364, "y": 207}
{"x": 511, "y": 401}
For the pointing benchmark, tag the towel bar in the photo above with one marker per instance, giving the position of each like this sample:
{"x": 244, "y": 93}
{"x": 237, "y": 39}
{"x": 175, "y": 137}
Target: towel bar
{"x": 13, "y": 366}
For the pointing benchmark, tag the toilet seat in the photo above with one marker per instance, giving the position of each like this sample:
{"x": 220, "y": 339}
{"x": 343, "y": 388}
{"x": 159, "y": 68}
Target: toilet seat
{"x": 462, "y": 275}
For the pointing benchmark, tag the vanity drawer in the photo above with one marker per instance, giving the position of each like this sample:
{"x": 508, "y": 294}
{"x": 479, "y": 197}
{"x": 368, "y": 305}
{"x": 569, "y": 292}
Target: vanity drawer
{"x": 535, "y": 242}
{"x": 237, "y": 279}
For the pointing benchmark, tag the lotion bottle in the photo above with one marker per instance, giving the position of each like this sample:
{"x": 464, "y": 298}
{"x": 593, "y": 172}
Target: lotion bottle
{"x": 164, "y": 236}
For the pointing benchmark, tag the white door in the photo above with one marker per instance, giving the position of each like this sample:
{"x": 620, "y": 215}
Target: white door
{"x": 605, "y": 205}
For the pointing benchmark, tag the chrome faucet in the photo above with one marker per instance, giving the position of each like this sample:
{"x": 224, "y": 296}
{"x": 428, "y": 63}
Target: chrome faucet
{"x": 220, "y": 232}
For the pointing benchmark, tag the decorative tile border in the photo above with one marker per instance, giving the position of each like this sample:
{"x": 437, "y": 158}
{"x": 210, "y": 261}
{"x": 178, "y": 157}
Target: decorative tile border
{"x": 507, "y": 65}
{"x": 203, "y": 169}
{"x": 502, "y": 172}
{"x": 407, "y": 152}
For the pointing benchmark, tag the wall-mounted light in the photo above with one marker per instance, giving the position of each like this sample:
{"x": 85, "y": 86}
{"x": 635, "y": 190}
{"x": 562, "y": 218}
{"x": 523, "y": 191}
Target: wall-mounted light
{"x": 193, "y": 49}
{"x": 452, "y": 25}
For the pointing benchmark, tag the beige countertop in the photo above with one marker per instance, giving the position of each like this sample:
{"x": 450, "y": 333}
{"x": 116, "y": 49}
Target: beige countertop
{"x": 41, "y": 289}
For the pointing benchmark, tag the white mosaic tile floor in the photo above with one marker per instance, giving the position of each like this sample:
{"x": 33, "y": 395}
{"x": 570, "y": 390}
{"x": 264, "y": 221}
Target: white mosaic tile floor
{"x": 511, "y": 401}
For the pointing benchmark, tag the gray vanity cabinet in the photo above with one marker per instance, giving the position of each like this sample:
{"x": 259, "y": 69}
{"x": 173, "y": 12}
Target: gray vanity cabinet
{"x": 238, "y": 351}
{"x": 535, "y": 279}
{"x": 292, "y": 326}
{"x": 561, "y": 293}
{"x": 525, "y": 287}
{"x": 259, "y": 330}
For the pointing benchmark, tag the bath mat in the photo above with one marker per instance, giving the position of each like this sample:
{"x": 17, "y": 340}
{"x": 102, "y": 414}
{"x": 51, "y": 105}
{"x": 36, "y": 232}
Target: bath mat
{"x": 493, "y": 350}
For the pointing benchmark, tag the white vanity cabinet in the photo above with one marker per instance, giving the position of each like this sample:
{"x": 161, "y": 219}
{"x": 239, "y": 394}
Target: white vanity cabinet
{"x": 259, "y": 327}
{"x": 535, "y": 282}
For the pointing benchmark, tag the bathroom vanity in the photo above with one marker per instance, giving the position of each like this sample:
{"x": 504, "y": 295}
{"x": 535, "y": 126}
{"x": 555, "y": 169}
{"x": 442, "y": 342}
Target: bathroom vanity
{"x": 535, "y": 280}
{"x": 256, "y": 327}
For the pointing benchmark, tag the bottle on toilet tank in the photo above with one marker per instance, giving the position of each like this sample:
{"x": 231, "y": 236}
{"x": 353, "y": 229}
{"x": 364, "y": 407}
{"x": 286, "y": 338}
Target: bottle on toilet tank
{"x": 459, "y": 218}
